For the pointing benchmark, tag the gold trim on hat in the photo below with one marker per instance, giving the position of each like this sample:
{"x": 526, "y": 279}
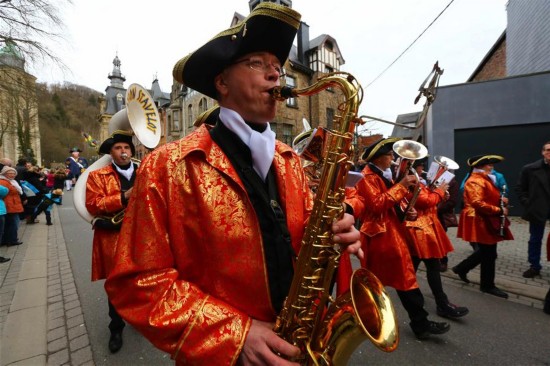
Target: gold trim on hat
{"x": 498, "y": 157}
{"x": 389, "y": 140}
{"x": 283, "y": 13}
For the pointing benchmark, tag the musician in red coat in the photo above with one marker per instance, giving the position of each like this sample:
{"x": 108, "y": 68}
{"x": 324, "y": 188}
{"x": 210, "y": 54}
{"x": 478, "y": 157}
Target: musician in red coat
{"x": 484, "y": 205}
{"x": 206, "y": 252}
{"x": 384, "y": 237}
{"x": 430, "y": 243}
{"x": 108, "y": 190}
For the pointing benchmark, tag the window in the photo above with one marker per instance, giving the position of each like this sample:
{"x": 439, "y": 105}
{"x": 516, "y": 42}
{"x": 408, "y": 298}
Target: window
{"x": 176, "y": 124}
{"x": 203, "y": 105}
{"x": 330, "y": 118}
{"x": 291, "y": 82}
{"x": 190, "y": 117}
{"x": 283, "y": 131}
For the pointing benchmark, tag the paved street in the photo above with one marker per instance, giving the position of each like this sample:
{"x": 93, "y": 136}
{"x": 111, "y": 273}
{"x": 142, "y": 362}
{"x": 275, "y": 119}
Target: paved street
{"x": 52, "y": 314}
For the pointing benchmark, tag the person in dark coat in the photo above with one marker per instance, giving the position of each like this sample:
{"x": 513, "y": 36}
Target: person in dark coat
{"x": 33, "y": 177}
{"x": 533, "y": 190}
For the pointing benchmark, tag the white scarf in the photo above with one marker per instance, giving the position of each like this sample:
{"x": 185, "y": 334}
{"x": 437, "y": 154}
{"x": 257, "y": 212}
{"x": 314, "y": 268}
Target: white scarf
{"x": 126, "y": 173}
{"x": 388, "y": 174}
{"x": 261, "y": 145}
{"x": 13, "y": 183}
{"x": 491, "y": 176}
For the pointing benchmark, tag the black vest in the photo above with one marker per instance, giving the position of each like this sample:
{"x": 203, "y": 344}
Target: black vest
{"x": 265, "y": 199}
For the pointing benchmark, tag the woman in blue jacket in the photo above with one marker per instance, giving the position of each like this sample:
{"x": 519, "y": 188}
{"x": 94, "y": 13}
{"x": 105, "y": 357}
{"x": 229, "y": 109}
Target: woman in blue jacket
{"x": 3, "y": 192}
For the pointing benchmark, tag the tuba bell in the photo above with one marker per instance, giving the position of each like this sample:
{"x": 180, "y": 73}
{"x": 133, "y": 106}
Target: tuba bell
{"x": 140, "y": 116}
{"x": 443, "y": 164}
{"x": 408, "y": 151}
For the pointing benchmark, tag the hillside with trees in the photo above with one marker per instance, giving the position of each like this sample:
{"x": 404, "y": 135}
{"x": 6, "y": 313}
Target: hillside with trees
{"x": 65, "y": 112}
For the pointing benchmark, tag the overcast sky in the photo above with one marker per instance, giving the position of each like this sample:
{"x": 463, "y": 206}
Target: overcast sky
{"x": 150, "y": 36}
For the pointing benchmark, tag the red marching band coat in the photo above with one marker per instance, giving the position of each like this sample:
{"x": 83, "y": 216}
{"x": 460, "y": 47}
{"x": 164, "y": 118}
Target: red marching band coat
{"x": 103, "y": 198}
{"x": 429, "y": 238}
{"x": 481, "y": 204}
{"x": 190, "y": 272}
{"x": 383, "y": 237}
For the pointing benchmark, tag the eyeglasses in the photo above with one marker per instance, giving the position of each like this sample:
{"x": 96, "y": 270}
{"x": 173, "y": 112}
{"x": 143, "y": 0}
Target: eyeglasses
{"x": 258, "y": 64}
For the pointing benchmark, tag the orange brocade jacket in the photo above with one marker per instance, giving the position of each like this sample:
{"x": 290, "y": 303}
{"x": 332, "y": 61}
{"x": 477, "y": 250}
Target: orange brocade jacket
{"x": 383, "y": 237}
{"x": 190, "y": 272}
{"x": 103, "y": 198}
{"x": 429, "y": 237}
{"x": 481, "y": 200}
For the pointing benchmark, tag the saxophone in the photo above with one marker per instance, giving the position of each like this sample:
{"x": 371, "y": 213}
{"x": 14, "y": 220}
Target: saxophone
{"x": 328, "y": 330}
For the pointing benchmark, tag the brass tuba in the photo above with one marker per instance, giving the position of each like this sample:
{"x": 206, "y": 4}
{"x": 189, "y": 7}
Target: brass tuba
{"x": 330, "y": 337}
{"x": 408, "y": 151}
{"x": 142, "y": 117}
{"x": 443, "y": 164}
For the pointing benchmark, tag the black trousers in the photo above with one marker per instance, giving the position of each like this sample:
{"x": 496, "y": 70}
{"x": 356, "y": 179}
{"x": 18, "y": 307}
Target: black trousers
{"x": 486, "y": 256}
{"x": 117, "y": 324}
{"x": 413, "y": 302}
{"x": 434, "y": 278}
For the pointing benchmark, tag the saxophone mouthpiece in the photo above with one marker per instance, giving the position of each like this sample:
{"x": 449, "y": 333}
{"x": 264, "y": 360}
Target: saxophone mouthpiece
{"x": 281, "y": 93}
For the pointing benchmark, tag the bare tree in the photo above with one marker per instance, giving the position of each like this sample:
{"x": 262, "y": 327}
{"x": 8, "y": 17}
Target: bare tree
{"x": 29, "y": 24}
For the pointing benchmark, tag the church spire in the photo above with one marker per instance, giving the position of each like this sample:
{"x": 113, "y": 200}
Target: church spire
{"x": 117, "y": 79}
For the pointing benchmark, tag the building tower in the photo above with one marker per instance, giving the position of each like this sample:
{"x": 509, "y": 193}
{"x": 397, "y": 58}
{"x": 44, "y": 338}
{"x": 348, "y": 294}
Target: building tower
{"x": 113, "y": 100}
{"x": 18, "y": 108}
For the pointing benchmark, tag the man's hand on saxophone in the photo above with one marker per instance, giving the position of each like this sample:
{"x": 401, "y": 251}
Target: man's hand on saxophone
{"x": 347, "y": 235}
{"x": 263, "y": 347}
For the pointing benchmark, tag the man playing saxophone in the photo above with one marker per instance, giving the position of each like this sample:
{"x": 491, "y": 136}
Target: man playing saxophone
{"x": 205, "y": 257}
{"x": 108, "y": 191}
{"x": 384, "y": 237}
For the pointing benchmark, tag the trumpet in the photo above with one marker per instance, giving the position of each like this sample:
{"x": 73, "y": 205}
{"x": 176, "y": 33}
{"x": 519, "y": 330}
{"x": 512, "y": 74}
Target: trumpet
{"x": 409, "y": 151}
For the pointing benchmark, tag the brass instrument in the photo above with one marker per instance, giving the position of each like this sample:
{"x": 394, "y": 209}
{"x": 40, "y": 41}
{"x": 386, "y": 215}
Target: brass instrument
{"x": 330, "y": 337}
{"x": 444, "y": 165}
{"x": 142, "y": 117}
{"x": 409, "y": 151}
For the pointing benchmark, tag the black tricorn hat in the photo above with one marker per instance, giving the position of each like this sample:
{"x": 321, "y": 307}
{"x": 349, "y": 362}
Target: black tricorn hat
{"x": 378, "y": 148}
{"x": 210, "y": 117}
{"x": 117, "y": 136}
{"x": 268, "y": 28}
{"x": 75, "y": 149}
{"x": 480, "y": 160}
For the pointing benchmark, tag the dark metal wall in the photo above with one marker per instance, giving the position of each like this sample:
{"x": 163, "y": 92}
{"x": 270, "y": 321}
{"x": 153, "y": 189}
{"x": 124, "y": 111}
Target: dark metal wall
{"x": 509, "y": 117}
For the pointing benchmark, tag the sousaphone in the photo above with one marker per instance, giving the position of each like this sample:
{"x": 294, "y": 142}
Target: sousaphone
{"x": 142, "y": 117}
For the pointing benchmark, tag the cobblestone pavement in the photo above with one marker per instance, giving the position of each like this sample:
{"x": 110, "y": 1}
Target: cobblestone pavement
{"x": 39, "y": 301}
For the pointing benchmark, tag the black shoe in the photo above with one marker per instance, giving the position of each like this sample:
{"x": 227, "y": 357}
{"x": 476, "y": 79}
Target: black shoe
{"x": 433, "y": 328}
{"x": 115, "y": 342}
{"x": 4, "y": 259}
{"x": 463, "y": 276}
{"x": 452, "y": 311}
{"x": 531, "y": 273}
{"x": 495, "y": 291}
{"x": 49, "y": 224}
{"x": 13, "y": 244}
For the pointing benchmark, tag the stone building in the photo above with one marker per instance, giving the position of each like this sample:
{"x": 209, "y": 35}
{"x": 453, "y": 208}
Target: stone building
{"x": 19, "y": 130}
{"x": 114, "y": 101}
{"x": 309, "y": 60}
